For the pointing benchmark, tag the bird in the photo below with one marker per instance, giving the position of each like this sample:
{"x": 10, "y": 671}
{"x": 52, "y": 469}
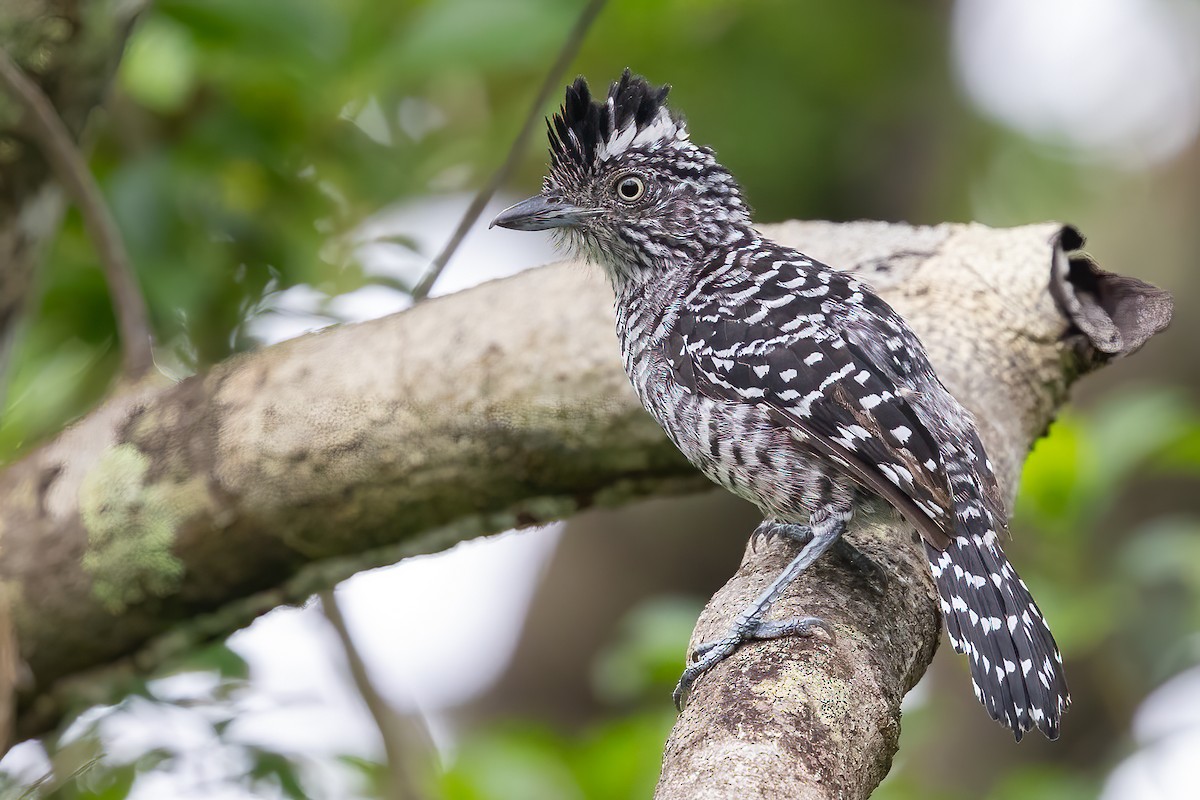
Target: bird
{"x": 789, "y": 383}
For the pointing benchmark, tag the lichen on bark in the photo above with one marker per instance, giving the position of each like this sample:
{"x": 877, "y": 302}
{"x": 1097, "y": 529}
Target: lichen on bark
{"x": 131, "y": 525}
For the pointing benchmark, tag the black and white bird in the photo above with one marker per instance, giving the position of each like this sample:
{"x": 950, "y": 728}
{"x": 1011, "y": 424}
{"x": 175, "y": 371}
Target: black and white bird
{"x": 789, "y": 383}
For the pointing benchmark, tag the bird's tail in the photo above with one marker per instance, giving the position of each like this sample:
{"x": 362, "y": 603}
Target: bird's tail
{"x": 1016, "y": 668}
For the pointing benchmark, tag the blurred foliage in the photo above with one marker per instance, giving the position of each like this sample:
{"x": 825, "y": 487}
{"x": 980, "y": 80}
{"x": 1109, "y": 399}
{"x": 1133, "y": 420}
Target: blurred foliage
{"x": 645, "y": 658}
{"x": 1082, "y": 474}
{"x": 618, "y": 758}
{"x": 81, "y": 768}
{"x": 246, "y": 143}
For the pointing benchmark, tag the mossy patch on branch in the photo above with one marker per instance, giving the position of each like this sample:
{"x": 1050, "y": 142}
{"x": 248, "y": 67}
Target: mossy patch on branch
{"x": 131, "y": 527}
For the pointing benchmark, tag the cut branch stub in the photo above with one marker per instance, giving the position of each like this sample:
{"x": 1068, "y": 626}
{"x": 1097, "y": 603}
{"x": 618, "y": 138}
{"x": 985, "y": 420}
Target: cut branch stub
{"x": 1115, "y": 313}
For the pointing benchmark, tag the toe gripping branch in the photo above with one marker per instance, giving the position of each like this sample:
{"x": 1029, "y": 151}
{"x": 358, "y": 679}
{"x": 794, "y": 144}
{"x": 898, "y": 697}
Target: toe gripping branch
{"x": 824, "y": 532}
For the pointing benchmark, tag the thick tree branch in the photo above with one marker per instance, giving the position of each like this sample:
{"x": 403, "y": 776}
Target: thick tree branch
{"x": 172, "y": 515}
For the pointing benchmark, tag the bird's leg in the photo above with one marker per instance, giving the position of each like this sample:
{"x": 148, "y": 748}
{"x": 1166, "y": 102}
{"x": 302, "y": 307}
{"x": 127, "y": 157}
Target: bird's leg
{"x": 824, "y": 528}
{"x": 843, "y": 548}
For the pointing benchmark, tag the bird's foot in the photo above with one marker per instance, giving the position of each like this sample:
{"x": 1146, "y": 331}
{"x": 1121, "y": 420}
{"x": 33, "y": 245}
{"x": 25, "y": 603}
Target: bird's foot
{"x": 824, "y": 528}
{"x": 768, "y": 530}
{"x": 709, "y": 654}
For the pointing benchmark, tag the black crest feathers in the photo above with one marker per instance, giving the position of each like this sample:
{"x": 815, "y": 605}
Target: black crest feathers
{"x": 583, "y": 127}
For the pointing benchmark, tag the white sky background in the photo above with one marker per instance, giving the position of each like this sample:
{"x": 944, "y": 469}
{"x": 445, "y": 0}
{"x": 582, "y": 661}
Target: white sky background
{"x": 1116, "y": 81}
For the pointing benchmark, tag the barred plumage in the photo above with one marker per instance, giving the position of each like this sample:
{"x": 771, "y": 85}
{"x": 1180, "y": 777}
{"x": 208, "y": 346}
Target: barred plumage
{"x": 788, "y": 383}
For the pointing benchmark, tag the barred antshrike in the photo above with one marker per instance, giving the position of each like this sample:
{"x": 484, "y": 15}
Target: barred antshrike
{"x": 791, "y": 384}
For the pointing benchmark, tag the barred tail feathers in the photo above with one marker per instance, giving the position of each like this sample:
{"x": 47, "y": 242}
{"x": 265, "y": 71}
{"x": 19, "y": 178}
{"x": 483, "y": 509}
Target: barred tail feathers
{"x": 1016, "y": 669}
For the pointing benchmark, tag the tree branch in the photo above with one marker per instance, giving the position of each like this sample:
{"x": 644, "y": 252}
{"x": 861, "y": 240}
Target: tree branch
{"x": 173, "y": 515}
{"x": 72, "y": 171}
{"x": 408, "y": 750}
{"x": 71, "y": 49}
{"x": 566, "y": 55}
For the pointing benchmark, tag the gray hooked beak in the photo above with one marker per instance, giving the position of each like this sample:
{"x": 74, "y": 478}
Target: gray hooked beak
{"x": 539, "y": 213}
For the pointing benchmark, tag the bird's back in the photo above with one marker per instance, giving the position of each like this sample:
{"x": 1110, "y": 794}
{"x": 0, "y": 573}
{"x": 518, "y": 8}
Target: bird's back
{"x": 749, "y": 361}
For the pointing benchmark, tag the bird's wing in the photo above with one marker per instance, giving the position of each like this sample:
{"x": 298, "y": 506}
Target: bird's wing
{"x": 881, "y": 337}
{"x": 787, "y": 333}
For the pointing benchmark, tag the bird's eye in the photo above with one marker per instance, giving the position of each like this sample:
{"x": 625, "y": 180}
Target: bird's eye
{"x": 630, "y": 188}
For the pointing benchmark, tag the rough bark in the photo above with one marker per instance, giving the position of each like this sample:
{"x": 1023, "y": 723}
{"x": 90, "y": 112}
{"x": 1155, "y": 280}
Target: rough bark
{"x": 175, "y": 514}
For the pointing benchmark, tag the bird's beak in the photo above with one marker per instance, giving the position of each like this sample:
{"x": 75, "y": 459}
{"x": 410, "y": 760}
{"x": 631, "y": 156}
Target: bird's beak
{"x": 539, "y": 213}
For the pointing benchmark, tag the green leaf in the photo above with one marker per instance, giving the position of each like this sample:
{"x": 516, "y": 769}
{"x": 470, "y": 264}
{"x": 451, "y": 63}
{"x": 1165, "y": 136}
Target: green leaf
{"x": 1043, "y": 782}
{"x": 108, "y": 783}
{"x": 277, "y": 770}
{"x": 1054, "y": 477}
{"x": 217, "y": 657}
{"x": 622, "y": 758}
{"x": 1131, "y": 428}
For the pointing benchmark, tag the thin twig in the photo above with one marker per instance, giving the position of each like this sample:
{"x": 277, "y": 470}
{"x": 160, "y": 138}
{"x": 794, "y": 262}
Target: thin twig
{"x": 51, "y": 783}
{"x": 7, "y": 337}
{"x": 406, "y": 742}
{"x": 9, "y": 669}
{"x": 69, "y": 167}
{"x": 565, "y": 56}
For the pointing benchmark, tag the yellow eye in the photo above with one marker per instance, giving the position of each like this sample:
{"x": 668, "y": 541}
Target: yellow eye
{"x": 630, "y": 188}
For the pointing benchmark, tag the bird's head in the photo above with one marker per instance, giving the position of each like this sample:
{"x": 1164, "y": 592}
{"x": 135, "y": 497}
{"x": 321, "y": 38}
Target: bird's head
{"x": 627, "y": 187}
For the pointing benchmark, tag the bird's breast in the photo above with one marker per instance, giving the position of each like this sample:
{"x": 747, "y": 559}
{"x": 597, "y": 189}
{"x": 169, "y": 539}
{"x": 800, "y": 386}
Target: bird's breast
{"x": 737, "y": 445}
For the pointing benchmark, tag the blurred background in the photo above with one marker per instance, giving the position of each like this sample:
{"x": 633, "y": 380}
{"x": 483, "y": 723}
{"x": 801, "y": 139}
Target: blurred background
{"x": 279, "y": 166}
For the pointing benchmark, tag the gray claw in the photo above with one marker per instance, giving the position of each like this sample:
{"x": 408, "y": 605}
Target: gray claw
{"x": 708, "y": 654}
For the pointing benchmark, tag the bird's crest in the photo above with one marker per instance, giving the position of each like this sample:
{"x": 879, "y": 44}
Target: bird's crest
{"x": 585, "y": 132}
